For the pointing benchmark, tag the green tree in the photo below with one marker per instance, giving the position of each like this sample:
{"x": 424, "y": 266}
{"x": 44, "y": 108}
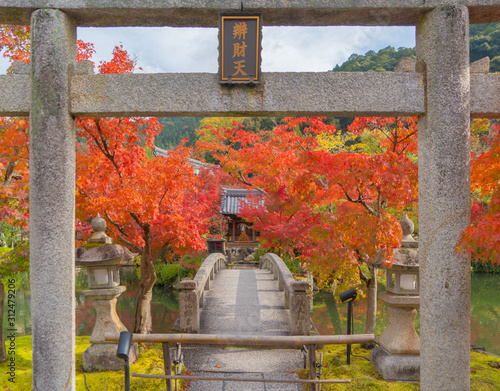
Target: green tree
{"x": 485, "y": 42}
{"x": 384, "y": 60}
{"x": 175, "y": 129}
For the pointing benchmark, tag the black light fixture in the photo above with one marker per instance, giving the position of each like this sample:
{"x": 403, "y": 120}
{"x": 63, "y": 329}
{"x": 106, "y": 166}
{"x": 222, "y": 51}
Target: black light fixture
{"x": 122, "y": 352}
{"x": 349, "y": 296}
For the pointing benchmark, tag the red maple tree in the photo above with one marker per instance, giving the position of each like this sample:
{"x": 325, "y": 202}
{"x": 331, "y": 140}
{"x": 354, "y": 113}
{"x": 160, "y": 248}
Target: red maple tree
{"x": 14, "y": 133}
{"x": 481, "y": 240}
{"x": 152, "y": 205}
{"x": 329, "y": 210}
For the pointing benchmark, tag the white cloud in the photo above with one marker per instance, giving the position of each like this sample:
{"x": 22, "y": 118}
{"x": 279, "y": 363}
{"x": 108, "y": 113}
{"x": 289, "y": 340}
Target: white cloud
{"x": 318, "y": 49}
{"x": 158, "y": 49}
{"x": 293, "y": 49}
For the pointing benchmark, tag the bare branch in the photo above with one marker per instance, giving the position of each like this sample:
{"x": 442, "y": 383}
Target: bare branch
{"x": 363, "y": 276}
{"x": 9, "y": 173}
{"x": 115, "y": 224}
{"x": 360, "y": 200}
{"x": 104, "y": 148}
{"x": 242, "y": 179}
{"x": 130, "y": 244}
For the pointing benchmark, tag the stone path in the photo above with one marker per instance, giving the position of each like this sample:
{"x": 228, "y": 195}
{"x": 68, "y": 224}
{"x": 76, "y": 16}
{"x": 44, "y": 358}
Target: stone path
{"x": 243, "y": 302}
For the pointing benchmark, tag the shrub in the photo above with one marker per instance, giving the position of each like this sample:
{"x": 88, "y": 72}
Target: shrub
{"x": 169, "y": 275}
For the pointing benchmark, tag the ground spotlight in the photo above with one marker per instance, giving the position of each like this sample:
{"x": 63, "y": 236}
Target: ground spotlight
{"x": 349, "y": 295}
{"x": 123, "y": 352}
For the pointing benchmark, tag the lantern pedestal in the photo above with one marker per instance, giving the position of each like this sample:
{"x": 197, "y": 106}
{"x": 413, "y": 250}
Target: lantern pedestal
{"x": 400, "y": 336}
{"x": 398, "y": 356}
{"x": 101, "y": 354}
{"x": 398, "y": 367}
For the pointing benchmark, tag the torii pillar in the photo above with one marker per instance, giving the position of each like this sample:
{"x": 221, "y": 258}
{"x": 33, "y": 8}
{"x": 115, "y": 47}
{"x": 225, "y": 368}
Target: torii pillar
{"x": 52, "y": 200}
{"x": 444, "y": 199}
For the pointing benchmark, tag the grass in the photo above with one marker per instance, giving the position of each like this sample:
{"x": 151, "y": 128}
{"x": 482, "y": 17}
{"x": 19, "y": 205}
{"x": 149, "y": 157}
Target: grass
{"x": 361, "y": 372}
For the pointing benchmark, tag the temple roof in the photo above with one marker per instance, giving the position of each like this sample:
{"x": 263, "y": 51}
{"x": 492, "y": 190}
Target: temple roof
{"x": 232, "y": 198}
{"x": 196, "y": 164}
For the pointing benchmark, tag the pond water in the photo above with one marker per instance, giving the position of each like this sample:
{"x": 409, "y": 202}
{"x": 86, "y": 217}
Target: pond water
{"x": 331, "y": 318}
{"x": 328, "y": 316}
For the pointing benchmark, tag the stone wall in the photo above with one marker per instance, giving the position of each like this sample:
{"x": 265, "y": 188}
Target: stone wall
{"x": 239, "y": 254}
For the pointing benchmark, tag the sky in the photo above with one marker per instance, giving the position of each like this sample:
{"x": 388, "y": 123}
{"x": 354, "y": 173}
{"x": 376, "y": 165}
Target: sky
{"x": 284, "y": 49}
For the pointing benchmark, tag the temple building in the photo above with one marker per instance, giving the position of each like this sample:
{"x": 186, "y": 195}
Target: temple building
{"x": 240, "y": 233}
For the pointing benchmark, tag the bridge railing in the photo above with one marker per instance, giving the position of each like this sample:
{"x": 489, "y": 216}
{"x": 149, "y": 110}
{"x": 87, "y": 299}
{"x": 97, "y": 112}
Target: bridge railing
{"x": 192, "y": 291}
{"x": 296, "y": 297}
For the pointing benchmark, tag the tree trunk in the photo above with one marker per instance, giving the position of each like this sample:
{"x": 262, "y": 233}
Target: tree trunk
{"x": 3, "y": 352}
{"x": 371, "y": 309}
{"x": 143, "y": 318}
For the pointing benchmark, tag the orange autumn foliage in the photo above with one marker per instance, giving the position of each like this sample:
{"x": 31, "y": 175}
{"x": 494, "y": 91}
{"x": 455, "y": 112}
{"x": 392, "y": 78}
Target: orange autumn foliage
{"x": 481, "y": 240}
{"x": 329, "y": 210}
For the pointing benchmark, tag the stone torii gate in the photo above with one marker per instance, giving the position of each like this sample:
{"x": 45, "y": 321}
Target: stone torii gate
{"x": 442, "y": 93}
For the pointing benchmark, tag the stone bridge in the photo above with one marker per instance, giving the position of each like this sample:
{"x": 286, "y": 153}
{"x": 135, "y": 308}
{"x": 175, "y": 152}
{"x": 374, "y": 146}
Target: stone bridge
{"x": 254, "y": 302}
{"x": 265, "y": 301}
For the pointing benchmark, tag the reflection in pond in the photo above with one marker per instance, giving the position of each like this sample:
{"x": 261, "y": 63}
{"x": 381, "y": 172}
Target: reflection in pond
{"x": 331, "y": 318}
{"x": 485, "y": 312}
{"x": 328, "y": 316}
{"x": 164, "y": 306}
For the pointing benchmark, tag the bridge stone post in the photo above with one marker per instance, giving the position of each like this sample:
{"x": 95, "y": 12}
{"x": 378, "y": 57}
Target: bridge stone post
{"x": 444, "y": 199}
{"x": 299, "y": 308}
{"x": 189, "y": 309}
{"x": 52, "y": 200}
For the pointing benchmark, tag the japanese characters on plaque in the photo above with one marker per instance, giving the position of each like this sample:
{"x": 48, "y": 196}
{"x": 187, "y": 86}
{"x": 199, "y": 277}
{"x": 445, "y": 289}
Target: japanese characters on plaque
{"x": 239, "y": 48}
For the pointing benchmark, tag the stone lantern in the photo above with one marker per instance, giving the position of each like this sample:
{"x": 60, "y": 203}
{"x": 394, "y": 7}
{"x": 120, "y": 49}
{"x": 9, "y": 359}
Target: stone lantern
{"x": 216, "y": 245}
{"x": 103, "y": 280}
{"x": 398, "y": 356}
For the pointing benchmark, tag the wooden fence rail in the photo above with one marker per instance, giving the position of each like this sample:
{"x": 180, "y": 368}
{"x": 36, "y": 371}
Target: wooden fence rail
{"x": 247, "y": 340}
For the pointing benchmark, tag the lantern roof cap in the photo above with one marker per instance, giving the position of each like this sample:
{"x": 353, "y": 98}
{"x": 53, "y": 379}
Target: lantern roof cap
{"x": 99, "y": 227}
{"x": 407, "y": 226}
{"x": 404, "y": 259}
{"x": 406, "y": 256}
{"x": 107, "y": 255}
{"x": 216, "y": 240}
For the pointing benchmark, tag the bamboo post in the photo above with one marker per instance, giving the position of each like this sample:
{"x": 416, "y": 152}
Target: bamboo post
{"x": 312, "y": 366}
{"x": 253, "y": 340}
{"x": 167, "y": 363}
{"x": 240, "y": 379}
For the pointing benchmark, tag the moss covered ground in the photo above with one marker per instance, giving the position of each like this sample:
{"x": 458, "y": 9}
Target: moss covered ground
{"x": 363, "y": 375}
{"x": 150, "y": 361}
